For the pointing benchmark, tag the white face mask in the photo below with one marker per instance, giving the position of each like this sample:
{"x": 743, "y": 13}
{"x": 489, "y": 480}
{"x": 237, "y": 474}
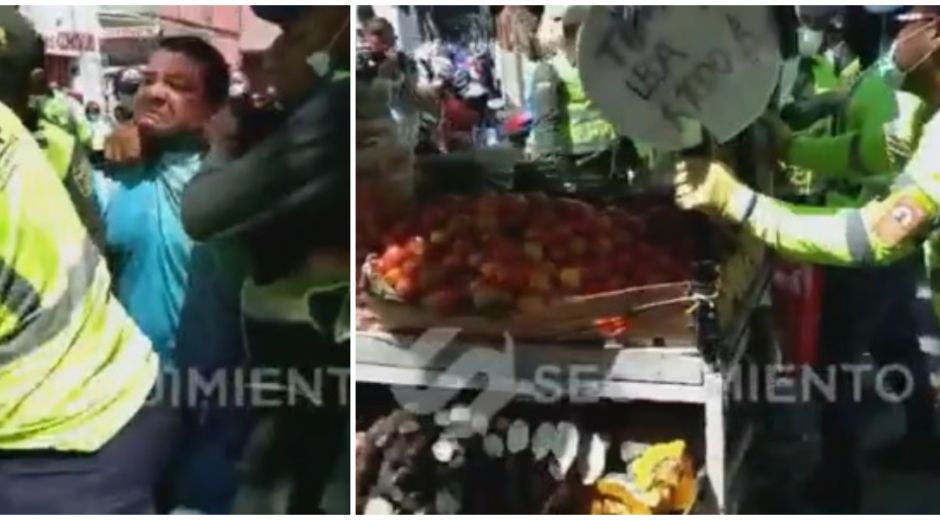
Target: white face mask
{"x": 809, "y": 41}
{"x": 887, "y": 65}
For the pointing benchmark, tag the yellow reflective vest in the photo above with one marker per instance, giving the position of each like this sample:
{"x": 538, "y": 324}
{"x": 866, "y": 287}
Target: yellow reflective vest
{"x": 575, "y": 126}
{"x": 74, "y": 368}
{"x": 589, "y": 131}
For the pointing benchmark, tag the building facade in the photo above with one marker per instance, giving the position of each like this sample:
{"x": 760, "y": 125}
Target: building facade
{"x": 72, "y": 35}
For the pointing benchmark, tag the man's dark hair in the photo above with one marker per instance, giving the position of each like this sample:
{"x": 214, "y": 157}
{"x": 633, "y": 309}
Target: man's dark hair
{"x": 379, "y": 26}
{"x": 215, "y": 71}
{"x": 22, "y": 52}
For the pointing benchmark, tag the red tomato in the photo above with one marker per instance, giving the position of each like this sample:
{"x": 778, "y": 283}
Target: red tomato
{"x": 517, "y": 277}
{"x": 558, "y": 255}
{"x": 382, "y": 266}
{"x": 407, "y": 288}
{"x": 453, "y": 262}
{"x": 443, "y": 301}
{"x": 461, "y": 247}
{"x": 504, "y": 250}
{"x": 416, "y": 246}
{"x": 394, "y": 256}
{"x": 538, "y": 200}
{"x": 393, "y": 276}
{"x": 410, "y": 267}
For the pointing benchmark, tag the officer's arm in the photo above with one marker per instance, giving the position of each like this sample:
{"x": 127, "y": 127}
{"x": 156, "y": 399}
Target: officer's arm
{"x": 80, "y": 184}
{"x": 862, "y": 153}
{"x": 305, "y": 162}
{"x": 875, "y": 149}
{"x": 802, "y": 114}
{"x": 880, "y": 232}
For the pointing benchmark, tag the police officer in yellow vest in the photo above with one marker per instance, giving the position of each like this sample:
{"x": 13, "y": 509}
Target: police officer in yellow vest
{"x": 883, "y": 231}
{"x": 567, "y": 127}
{"x": 75, "y": 371}
{"x": 868, "y": 310}
{"x": 55, "y": 107}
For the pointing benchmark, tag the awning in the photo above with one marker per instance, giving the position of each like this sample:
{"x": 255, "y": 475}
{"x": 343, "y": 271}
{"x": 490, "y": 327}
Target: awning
{"x": 128, "y": 33}
{"x": 129, "y": 21}
{"x": 137, "y": 32}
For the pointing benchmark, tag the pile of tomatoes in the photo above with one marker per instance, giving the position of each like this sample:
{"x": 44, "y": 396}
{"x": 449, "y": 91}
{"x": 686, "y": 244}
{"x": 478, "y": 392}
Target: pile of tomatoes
{"x": 503, "y": 252}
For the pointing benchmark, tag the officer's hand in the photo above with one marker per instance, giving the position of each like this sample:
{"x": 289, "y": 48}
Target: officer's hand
{"x": 781, "y": 137}
{"x": 123, "y": 145}
{"x": 708, "y": 186}
{"x": 222, "y": 131}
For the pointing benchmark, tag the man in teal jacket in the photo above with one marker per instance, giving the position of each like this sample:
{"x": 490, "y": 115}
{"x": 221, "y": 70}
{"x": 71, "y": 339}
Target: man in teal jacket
{"x": 159, "y": 271}
{"x": 185, "y": 83}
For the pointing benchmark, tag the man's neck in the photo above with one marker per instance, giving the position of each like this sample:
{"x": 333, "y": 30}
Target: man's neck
{"x": 928, "y": 91}
{"x": 184, "y": 142}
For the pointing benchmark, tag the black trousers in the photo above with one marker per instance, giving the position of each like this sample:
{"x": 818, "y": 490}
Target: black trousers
{"x": 119, "y": 478}
{"x": 870, "y": 310}
{"x": 297, "y": 456}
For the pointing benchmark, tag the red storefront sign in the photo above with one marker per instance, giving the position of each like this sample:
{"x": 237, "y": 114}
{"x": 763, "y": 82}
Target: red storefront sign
{"x": 70, "y": 43}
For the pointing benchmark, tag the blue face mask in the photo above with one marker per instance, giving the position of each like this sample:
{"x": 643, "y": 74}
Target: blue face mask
{"x": 888, "y": 69}
{"x": 887, "y": 66}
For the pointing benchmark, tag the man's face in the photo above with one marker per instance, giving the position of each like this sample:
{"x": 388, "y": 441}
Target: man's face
{"x": 172, "y": 98}
{"x": 379, "y": 43}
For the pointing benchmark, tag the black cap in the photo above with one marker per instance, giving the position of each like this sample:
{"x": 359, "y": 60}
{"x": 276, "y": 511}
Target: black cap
{"x": 21, "y": 47}
{"x": 280, "y": 14}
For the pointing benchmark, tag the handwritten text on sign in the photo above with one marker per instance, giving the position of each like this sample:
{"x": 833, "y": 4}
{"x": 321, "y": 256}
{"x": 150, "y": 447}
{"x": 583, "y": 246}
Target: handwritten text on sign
{"x": 678, "y": 61}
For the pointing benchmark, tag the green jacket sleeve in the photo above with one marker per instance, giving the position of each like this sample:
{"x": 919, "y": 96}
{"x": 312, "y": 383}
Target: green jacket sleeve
{"x": 847, "y": 155}
{"x": 802, "y": 114}
{"x": 878, "y": 147}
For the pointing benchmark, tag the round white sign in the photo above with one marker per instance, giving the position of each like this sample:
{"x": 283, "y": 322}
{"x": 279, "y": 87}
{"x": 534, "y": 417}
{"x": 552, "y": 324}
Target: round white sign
{"x": 653, "y": 70}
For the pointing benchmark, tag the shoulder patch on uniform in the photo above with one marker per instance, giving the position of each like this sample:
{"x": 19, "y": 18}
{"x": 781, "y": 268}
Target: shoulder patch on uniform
{"x": 899, "y": 219}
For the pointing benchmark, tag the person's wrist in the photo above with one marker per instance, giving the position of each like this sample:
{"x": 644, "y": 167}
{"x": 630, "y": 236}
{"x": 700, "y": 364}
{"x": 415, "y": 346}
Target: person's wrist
{"x": 741, "y": 204}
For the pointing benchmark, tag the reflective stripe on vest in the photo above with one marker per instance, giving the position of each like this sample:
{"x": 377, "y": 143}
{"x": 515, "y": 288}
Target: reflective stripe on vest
{"x": 589, "y": 131}
{"x": 37, "y": 325}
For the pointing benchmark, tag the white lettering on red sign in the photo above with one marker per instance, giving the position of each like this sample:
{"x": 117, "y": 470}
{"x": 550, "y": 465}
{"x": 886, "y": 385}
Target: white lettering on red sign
{"x": 71, "y": 42}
